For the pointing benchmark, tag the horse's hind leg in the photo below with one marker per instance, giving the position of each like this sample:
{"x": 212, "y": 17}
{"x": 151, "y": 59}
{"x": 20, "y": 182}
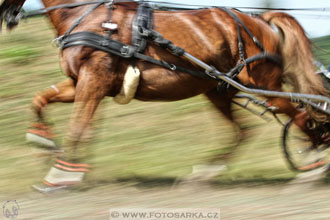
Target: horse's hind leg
{"x": 223, "y": 103}
{"x": 40, "y": 133}
{"x": 217, "y": 163}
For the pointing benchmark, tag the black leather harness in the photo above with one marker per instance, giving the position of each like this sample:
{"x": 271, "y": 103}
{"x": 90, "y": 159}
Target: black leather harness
{"x": 142, "y": 33}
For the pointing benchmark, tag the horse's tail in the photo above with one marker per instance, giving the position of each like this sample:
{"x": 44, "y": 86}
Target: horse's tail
{"x": 299, "y": 68}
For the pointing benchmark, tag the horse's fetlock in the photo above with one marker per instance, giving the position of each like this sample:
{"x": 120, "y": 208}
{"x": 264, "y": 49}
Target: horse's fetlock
{"x": 39, "y": 102}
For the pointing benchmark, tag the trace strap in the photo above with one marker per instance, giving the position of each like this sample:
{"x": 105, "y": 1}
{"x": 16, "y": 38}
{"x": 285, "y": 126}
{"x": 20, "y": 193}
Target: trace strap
{"x": 118, "y": 48}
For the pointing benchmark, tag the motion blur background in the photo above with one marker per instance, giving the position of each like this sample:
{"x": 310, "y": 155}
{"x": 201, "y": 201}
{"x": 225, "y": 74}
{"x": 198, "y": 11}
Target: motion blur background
{"x": 152, "y": 143}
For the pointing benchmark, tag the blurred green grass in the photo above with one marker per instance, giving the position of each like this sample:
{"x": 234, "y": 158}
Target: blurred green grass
{"x": 137, "y": 141}
{"x": 322, "y": 49}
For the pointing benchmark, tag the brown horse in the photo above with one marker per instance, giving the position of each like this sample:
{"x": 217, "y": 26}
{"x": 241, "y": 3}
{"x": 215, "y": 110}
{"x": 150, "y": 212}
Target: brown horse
{"x": 211, "y": 35}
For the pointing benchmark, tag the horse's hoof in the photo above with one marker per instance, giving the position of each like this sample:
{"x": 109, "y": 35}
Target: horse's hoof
{"x": 41, "y": 135}
{"x": 211, "y": 169}
{"x": 312, "y": 176}
{"x": 43, "y": 188}
{"x": 203, "y": 173}
{"x": 32, "y": 137}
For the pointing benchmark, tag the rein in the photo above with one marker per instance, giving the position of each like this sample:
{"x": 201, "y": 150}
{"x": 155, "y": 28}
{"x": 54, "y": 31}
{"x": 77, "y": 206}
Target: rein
{"x": 69, "y": 5}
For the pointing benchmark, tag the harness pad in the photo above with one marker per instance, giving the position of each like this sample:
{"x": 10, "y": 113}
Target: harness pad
{"x": 142, "y": 22}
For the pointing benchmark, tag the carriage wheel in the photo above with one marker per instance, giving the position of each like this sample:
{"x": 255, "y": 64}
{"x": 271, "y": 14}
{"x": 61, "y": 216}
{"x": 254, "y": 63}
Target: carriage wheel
{"x": 299, "y": 151}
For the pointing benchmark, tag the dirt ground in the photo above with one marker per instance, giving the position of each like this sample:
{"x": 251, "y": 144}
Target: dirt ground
{"x": 297, "y": 200}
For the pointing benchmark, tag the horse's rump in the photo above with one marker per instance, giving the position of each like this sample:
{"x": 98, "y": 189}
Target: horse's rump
{"x": 299, "y": 67}
{"x": 298, "y": 56}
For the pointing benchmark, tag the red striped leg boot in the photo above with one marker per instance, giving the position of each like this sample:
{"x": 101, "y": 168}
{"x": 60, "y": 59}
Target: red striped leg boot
{"x": 63, "y": 175}
{"x": 41, "y": 134}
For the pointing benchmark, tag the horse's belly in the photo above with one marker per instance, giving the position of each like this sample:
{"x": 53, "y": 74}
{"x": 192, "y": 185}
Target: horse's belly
{"x": 158, "y": 84}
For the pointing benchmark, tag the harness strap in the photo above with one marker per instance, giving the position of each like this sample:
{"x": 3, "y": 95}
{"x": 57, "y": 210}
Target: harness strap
{"x": 164, "y": 43}
{"x": 109, "y": 45}
{"x": 172, "y": 66}
{"x": 242, "y": 61}
{"x": 272, "y": 57}
{"x": 79, "y": 20}
{"x": 238, "y": 21}
{"x": 97, "y": 41}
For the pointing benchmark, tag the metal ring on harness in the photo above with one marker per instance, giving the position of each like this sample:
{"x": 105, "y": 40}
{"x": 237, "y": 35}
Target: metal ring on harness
{"x": 109, "y": 4}
{"x": 124, "y": 50}
{"x": 172, "y": 67}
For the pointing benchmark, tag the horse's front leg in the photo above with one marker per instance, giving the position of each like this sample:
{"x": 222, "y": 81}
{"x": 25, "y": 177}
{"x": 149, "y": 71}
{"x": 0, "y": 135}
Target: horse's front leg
{"x": 61, "y": 92}
{"x": 70, "y": 167}
{"x": 40, "y": 132}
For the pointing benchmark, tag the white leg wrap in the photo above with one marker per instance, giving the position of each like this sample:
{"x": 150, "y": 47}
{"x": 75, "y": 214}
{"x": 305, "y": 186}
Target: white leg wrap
{"x": 59, "y": 177}
{"x": 33, "y": 138}
{"x": 130, "y": 84}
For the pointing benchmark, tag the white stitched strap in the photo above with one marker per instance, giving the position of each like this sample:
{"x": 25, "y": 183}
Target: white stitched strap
{"x": 55, "y": 88}
{"x": 129, "y": 87}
